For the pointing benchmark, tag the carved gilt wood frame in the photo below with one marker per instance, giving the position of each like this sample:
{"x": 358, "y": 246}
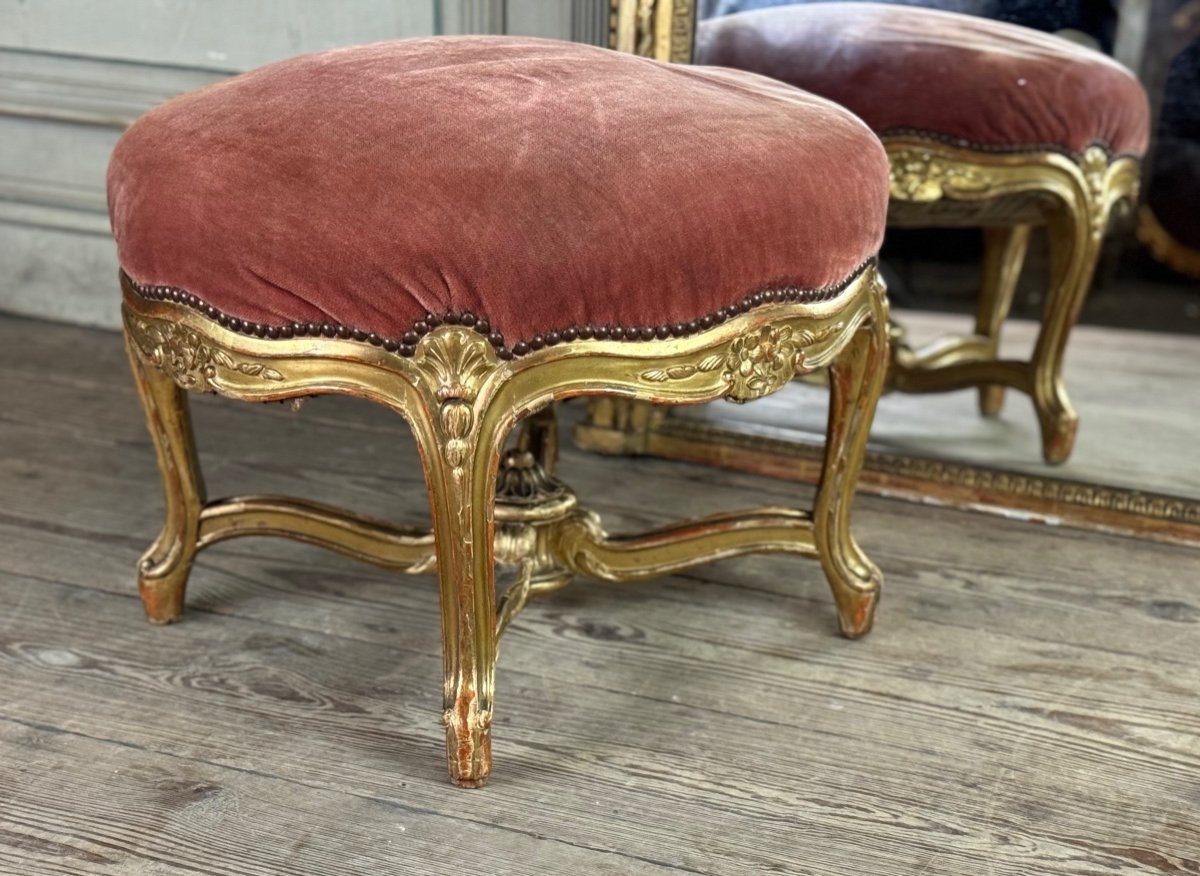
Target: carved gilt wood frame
{"x": 490, "y": 506}
{"x": 661, "y": 29}
{"x": 935, "y": 185}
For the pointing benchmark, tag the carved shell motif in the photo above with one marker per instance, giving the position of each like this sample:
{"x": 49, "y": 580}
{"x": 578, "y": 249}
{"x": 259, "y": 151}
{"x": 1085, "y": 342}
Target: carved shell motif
{"x": 189, "y": 360}
{"x": 456, "y": 361}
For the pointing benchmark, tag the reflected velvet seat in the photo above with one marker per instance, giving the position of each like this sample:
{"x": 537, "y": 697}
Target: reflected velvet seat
{"x": 468, "y": 230}
{"x": 986, "y": 124}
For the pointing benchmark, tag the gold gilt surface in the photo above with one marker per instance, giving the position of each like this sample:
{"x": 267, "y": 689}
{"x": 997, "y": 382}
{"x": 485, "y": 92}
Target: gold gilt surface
{"x": 462, "y": 402}
{"x": 660, "y": 29}
{"x": 1164, "y": 246}
{"x": 1073, "y": 198}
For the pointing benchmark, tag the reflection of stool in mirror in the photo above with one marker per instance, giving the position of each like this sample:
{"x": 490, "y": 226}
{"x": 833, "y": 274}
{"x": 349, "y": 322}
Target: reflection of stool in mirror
{"x": 467, "y": 230}
{"x": 987, "y": 125}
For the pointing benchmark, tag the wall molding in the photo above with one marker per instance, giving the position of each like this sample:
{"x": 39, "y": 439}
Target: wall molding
{"x": 590, "y": 21}
{"x": 56, "y": 206}
{"x": 60, "y": 115}
{"x": 79, "y": 90}
{"x": 473, "y": 16}
{"x": 62, "y": 110}
{"x": 45, "y": 98}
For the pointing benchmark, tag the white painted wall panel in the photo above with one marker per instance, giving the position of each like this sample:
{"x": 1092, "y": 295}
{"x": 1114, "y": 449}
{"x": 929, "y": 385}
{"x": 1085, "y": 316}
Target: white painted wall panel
{"x": 223, "y": 34}
{"x": 74, "y": 73}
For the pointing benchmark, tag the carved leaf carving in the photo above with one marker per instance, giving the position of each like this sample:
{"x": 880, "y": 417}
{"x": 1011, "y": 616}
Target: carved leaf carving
{"x": 755, "y": 364}
{"x": 682, "y": 372}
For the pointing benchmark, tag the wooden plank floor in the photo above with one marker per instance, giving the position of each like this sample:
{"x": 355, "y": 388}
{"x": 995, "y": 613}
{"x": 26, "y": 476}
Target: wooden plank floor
{"x": 1028, "y": 704}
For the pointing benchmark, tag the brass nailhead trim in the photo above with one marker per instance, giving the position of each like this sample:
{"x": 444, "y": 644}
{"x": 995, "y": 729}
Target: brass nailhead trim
{"x": 963, "y": 143}
{"x": 406, "y": 344}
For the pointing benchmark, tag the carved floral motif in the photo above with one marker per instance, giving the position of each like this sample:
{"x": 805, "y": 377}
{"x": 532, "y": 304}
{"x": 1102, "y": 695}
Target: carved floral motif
{"x": 188, "y": 359}
{"x": 1094, "y": 165}
{"x": 924, "y": 177}
{"x": 761, "y": 362}
{"x": 755, "y": 364}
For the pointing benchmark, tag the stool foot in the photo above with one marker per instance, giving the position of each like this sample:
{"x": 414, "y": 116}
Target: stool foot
{"x": 1058, "y": 436}
{"x": 163, "y": 570}
{"x": 991, "y": 400}
{"x": 163, "y": 594}
{"x": 468, "y": 743}
{"x": 856, "y": 605}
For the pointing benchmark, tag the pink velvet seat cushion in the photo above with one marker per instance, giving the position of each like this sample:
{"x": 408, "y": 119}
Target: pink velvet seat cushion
{"x": 535, "y": 185}
{"x": 912, "y": 70}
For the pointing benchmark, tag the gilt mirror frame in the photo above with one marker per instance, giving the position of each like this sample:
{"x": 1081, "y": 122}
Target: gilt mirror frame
{"x": 661, "y": 29}
{"x": 665, "y": 30}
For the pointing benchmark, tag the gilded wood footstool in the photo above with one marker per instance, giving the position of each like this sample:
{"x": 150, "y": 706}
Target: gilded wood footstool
{"x": 467, "y": 230}
{"x": 986, "y": 124}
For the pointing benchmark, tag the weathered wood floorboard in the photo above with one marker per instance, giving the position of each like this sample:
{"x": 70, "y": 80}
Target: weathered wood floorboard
{"x": 312, "y": 699}
{"x": 136, "y": 812}
{"x": 1027, "y": 703}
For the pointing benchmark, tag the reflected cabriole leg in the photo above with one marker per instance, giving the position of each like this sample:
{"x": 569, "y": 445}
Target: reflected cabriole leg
{"x": 856, "y": 380}
{"x": 1003, "y": 256}
{"x": 1074, "y": 249}
{"x": 164, "y": 568}
{"x": 460, "y": 450}
{"x": 618, "y": 426}
{"x": 539, "y": 436}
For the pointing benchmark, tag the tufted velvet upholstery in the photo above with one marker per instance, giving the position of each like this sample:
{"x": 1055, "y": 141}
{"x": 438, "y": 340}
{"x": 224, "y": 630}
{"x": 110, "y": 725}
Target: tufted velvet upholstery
{"x": 907, "y": 69}
{"x": 535, "y": 184}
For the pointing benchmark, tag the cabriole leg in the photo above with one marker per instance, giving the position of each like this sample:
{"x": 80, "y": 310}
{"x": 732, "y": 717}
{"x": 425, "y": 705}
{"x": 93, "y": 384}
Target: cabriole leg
{"x": 539, "y": 436}
{"x": 163, "y": 570}
{"x": 460, "y": 449}
{"x": 1074, "y": 249}
{"x": 855, "y": 380}
{"x": 1003, "y": 256}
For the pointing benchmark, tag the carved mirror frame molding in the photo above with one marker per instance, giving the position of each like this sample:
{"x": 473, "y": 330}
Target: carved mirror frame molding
{"x": 659, "y": 29}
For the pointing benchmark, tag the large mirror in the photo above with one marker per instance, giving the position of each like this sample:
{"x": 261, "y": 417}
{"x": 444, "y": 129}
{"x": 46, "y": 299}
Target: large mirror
{"x": 1133, "y": 359}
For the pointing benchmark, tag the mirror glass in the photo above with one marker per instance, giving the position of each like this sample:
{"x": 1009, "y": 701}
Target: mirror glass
{"x": 1133, "y": 360}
